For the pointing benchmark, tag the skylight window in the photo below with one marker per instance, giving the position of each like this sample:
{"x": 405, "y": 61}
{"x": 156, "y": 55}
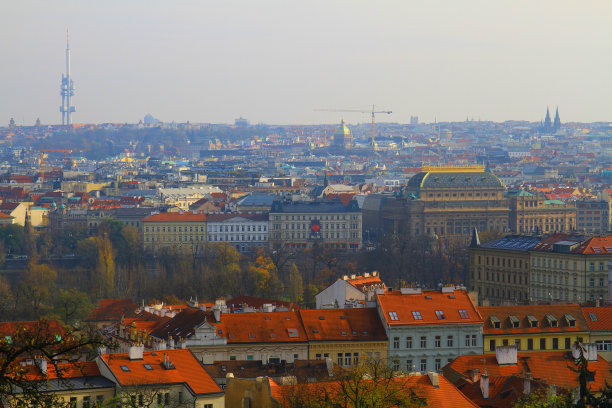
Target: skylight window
{"x": 148, "y": 366}
{"x": 393, "y": 316}
{"x": 251, "y": 335}
{"x": 593, "y": 317}
{"x": 464, "y": 314}
{"x": 440, "y": 314}
{"x": 417, "y": 315}
{"x": 292, "y": 332}
{"x": 125, "y": 368}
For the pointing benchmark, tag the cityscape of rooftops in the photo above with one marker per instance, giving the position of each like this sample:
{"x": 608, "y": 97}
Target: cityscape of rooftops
{"x": 293, "y": 204}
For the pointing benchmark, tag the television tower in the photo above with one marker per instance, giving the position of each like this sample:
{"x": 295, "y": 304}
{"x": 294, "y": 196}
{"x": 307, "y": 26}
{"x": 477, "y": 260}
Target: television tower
{"x": 67, "y": 88}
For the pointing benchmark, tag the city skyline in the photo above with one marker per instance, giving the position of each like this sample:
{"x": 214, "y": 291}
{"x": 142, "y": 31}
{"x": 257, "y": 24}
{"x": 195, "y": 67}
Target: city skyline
{"x": 216, "y": 62}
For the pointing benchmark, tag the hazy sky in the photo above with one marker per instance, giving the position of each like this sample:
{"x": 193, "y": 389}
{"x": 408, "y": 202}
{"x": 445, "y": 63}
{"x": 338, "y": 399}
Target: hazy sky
{"x": 276, "y": 61}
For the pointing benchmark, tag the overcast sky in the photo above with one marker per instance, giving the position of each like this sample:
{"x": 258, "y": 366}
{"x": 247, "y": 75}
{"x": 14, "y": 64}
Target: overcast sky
{"x": 276, "y": 61}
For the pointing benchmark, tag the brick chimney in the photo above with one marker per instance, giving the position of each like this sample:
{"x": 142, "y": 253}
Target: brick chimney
{"x": 484, "y": 385}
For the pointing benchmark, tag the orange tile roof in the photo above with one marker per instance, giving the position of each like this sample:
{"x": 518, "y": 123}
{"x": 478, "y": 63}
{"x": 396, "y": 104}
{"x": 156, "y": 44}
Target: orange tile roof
{"x": 9, "y": 328}
{"x": 596, "y": 246}
{"x": 598, "y": 318}
{"x": 504, "y": 392}
{"x": 554, "y": 367}
{"x": 274, "y": 327}
{"x": 397, "y": 309}
{"x": 361, "y": 281}
{"x": 112, "y": 310}
{"x": 176, "y": 217}
{"x": 445, "y": 395}
{"x": 68, "y": 370}
{"x": 559, "y": 312}
{"x": 343, "y": 325}
{"x": 188, "y": 370}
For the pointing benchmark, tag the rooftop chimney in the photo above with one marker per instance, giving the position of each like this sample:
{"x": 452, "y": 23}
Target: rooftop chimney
{"x": 433, "y": 377}
{"x": 506, "y": 355}
{"x": 484, "y": 385}
{"x": 135, "y": 352}
{"x": 527, "y": 384}
{"x": 474, "y": 374}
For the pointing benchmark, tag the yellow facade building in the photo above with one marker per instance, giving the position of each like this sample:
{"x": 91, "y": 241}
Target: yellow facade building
{"x": 180, "y": 230}
{"x": 533, "y": 328}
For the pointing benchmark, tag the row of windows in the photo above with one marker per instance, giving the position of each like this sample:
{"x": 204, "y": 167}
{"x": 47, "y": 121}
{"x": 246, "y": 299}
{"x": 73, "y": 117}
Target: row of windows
{"x": 231, "y": 238}
{"x": 543, "y": 342}
{"x": 175, "y": 238}
{"x": 305, "y": 235}
{"x": 237, "y": 228}
{"x": 411, "y": 367}
{"x": 501, "y": 277}
{"x": 174, "y": 229}
{"x": 325, "y": 225}
{"x": 314, "y": 217}
{"x": 470, "y": 341}
{"x": 439, "y": 195}
{"x": 502, "y": 262}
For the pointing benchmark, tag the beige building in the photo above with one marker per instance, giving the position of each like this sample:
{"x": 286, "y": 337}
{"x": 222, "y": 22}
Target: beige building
{"x": 599, "y": 320}
{"x": 330, "y": 224}
{"x": 534, "y": 213}
{"x": 183, "y": 231}
{"x": 557, "y": 268}
{"x": 445, "y": 201}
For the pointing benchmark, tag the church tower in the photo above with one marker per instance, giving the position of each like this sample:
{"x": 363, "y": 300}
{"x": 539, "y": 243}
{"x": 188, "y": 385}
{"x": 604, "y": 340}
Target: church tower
{"x": 557, "y": 123}
{"x": 547, "y": 122}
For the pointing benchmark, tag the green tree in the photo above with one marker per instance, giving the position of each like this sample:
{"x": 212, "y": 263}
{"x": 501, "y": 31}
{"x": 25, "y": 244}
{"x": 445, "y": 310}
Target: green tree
{"x": 72, "y": 305}
{"x": 41, "y": 340}
{"x": 545, "y": 398}
{"x": 7, "y": 300}
{"x": 34, "y": 292}
{"x": 295, "y": 286}
{"x": 105, "y": 269}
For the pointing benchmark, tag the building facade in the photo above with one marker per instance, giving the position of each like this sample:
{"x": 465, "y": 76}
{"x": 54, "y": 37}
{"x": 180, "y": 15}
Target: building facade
{"x": 330, "y": 224}
{"x": 534, "y": 213}
{"x": 247, "y": 232}
{"x": 445, "y": 201}
{"x": 533, "y": 328}
{"x": 428, "y": 329}
{"x": 183, "y": 231}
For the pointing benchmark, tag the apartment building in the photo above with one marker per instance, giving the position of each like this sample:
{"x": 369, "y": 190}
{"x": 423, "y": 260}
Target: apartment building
{"x": 183, "y": 231}
{"x": 330, "y": 224}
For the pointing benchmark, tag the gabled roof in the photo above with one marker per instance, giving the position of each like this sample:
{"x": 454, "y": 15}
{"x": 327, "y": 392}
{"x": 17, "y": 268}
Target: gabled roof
{"x": 274, "y": 327}
{"x": 554, "y": 367}
{"x": 421, "y": 308}
{"x": 186, "y": 370}
{"x": 112, "y": 310}
{"x": 182, "y": 325}
{"x": 343, "y": 325}
{"x": 175, "y": 217}
{"x": 258, "y": 302}
{"x": 562, "y": 313}
{"x": 598, "y": 318}
{"x": 446, "y": 395}
{"x": 596, "y": 246}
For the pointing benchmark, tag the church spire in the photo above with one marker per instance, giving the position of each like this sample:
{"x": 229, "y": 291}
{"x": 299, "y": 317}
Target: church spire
{"x": 557, "y": 123}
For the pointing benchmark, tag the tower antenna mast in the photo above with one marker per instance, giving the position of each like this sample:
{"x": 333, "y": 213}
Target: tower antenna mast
{"x": 67, "y": 88}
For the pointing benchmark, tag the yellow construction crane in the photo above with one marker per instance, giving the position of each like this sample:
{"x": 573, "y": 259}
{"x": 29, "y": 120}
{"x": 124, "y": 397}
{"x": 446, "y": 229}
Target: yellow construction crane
{"x": 373, "y": 112}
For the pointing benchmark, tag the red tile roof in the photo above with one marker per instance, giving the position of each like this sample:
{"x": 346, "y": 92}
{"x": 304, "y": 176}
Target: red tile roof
{"x": 68, "y": 370}
{"x": 504, "y": 392}
{"x": 399, "y": 309}
{"x": 274, "y": 327}
{"x": 360, "y": 281}
{"x": 445, "y": 395}
{"x": 540, "y": 312}
{"x": 343, "y": 325}
{"x": 49, "y": 326}
{"x": 175, "y": 217}
{"x": 112, "y": 310}
{"x": 554, "y": 367}
{"x": 596, "y": 246}
{"x": 187, "y": 370}
{"x": 258, "y": 302}
{"x": 598, "y": 318}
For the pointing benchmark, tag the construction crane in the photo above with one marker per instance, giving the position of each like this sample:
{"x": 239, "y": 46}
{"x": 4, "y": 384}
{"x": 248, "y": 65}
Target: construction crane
{"x": 373, "y": 112}
{"x": 43, "y": 156}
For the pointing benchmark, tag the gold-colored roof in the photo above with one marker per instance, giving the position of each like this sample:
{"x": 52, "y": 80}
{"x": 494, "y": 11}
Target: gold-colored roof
{"x": 343, "y": 129}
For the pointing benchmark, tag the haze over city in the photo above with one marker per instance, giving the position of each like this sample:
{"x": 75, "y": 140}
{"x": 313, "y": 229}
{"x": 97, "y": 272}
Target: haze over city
{"x": 276, "y": 61}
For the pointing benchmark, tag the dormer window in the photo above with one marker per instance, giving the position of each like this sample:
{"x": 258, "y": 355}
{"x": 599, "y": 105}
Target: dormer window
{"x": 571, "y": 322}
{"x": 514, "y": 322}
{"x": 552, "y": 320}
{"x": 495, "y": 322}
{"x": 533, "y": 322}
